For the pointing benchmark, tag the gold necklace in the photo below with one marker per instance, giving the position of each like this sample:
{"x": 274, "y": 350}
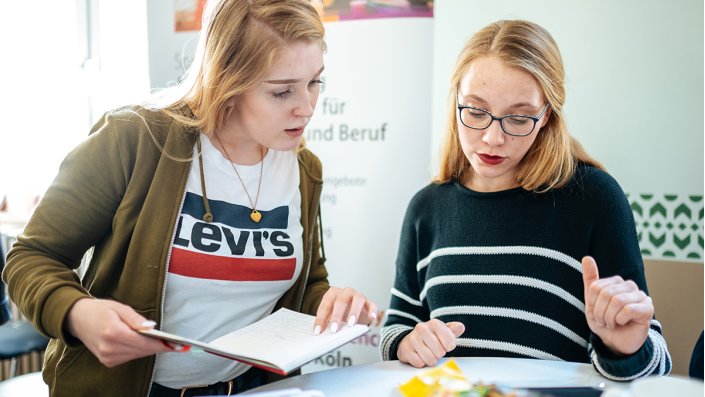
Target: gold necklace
{"x": 255, "y": 215}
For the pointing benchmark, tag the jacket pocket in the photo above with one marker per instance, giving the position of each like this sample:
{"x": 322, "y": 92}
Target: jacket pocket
{"x": 67, "y": 360}
{"x": 59, "y": 360}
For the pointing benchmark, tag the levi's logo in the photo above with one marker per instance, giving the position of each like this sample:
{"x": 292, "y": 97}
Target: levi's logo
{"x": 232, "y": 247}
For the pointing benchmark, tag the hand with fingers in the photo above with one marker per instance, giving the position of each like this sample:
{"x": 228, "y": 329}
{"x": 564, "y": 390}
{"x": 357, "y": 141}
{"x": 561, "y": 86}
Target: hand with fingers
{"x": 616, "y": 310}
{"x": 107, "y": 328}
{"x": 429, "y": 342}
{"x": 341, "y": 306}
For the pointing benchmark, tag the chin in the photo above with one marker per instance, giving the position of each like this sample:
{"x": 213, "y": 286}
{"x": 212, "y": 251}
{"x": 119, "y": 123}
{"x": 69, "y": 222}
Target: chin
{"x": 287, "y": 145}
{"x": 489, "y": 171}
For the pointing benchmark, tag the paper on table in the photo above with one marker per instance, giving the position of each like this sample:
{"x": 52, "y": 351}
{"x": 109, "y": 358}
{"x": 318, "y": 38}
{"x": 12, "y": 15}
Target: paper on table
{"x": 293, "y": 392}
{"x": 279, "y": 343}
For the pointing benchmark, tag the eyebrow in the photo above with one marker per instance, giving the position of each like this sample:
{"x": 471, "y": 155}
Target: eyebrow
{"x": 291, "y": 81}
{"x": 514, "y": 106}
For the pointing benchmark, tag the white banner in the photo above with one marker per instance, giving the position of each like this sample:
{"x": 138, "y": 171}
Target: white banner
{"x": 372, "y": 132}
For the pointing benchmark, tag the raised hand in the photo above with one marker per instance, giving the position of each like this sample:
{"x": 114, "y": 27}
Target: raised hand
{"x": 429, "y": 342}
{"x": 341, "y": 306}
{"x": 616, "y": 310}
{"x": 107, "y": 328}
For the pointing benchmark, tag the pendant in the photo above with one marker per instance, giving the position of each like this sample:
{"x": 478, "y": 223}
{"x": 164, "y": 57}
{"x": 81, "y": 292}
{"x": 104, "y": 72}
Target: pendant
{"x": 255, "y": 216}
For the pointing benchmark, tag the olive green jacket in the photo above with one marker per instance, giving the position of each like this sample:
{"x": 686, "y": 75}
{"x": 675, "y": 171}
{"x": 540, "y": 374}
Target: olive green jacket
{"x": 120, "y": 192}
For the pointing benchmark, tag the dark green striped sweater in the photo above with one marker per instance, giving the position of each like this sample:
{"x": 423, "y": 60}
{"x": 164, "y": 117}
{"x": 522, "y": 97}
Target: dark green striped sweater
{"x": 507, "y": 265}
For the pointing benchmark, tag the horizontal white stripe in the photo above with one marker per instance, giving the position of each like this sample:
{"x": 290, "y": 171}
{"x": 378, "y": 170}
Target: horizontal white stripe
{"x": 504, "y": 279}
{"x": 511, "y": 313}
{"x": 400, "y": 313}
{"x": 405, "y": 297}
{"x": 507, "y": 347}
{"x": 502, "y": 250}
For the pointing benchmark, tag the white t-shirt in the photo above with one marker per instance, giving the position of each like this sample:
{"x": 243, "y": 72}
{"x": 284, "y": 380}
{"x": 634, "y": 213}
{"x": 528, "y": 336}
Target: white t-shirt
{"x": 229, "y": 273}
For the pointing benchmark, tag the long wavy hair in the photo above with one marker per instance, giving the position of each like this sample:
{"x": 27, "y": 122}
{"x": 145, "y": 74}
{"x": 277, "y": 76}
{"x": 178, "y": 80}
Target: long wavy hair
{"x": 552, "y": 159}
{"x": 239, "y": 42}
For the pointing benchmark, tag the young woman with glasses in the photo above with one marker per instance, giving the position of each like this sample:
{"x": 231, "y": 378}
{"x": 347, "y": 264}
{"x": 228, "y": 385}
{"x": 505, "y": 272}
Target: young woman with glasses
{"x": 201, "y": 209}
{"x": 523, "y": 246}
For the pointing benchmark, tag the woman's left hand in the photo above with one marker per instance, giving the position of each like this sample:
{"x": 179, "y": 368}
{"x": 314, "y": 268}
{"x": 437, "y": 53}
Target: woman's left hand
{"x": 616, "y": 310}
{"x": 341, "y": 306}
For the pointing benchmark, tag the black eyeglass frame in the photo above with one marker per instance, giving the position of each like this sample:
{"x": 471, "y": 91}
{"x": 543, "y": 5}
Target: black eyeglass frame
{"x": 535, "y": 119}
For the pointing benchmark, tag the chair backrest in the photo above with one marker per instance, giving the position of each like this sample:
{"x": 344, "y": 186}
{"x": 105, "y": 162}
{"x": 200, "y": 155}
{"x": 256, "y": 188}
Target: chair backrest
{"x": 676, "y": 288}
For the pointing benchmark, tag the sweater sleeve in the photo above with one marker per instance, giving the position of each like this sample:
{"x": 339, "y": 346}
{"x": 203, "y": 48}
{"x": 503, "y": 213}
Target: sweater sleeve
{"x": 74, "y": 214}
{"x": 405, "y": 307}
{"x": 615, "y": 247}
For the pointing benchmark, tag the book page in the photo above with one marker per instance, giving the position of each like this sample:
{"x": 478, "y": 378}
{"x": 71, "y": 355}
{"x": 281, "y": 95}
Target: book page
{"x": 285, "y": 339}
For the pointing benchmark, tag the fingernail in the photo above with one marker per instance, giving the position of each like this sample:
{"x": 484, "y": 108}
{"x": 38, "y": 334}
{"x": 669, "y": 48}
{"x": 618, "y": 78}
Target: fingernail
{"x": 181, "y": 348}
{"x": 351, "y": 320}
{"x": 373, "y": 315}
{"x": 317, "y": 330}
{"x": 148, "y": 324}
{"x": 333, "y": 327}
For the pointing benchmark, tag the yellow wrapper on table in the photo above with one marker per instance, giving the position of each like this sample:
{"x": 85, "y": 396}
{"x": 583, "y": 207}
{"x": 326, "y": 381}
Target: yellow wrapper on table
{"x": 443, "y": 381}
{"x": 446, "y": 380}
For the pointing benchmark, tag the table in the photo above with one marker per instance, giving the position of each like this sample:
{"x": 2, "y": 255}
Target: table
{"x": 28, "y": 385}
{"x": 383, "y": 378}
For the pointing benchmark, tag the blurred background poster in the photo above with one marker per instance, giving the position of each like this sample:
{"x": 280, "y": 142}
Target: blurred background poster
{"x": 188, "y": 15}
{"x": 343, "y": 10}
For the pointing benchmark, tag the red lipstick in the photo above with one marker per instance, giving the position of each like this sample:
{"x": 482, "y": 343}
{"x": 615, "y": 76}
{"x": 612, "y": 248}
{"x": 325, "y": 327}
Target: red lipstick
{"x": 490, "y": 160}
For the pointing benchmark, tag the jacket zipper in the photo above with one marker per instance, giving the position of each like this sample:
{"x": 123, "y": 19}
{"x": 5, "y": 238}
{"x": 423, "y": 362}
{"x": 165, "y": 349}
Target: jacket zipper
{"x": 166, "y": 271}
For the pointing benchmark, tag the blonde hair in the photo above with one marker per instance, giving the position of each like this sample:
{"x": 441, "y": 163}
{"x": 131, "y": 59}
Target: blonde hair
{"x": 240, "y": 41}
{"x": 551, "y": 161}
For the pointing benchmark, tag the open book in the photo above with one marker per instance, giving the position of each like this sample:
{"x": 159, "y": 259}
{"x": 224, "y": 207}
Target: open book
{"x": 280, "y": 343}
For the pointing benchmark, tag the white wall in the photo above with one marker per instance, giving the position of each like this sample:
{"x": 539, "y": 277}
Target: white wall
{"x": 634, "y": 80}
{"x": 170, "y": 52}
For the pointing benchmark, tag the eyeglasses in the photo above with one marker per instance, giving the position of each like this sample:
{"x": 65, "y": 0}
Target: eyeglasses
{"x": 512, "y": 124}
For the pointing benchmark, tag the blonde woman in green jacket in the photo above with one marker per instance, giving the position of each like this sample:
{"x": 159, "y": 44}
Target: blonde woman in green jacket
{"x": 201, "y": 212}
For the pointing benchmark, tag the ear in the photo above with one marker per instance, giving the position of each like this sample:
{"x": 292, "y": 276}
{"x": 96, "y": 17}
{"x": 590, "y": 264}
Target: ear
{"x": 229, "y": 106}
{"x": 546, "y": 116}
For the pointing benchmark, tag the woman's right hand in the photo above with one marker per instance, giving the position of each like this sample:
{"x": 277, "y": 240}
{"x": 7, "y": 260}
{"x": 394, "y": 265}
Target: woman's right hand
{"x": 429, "y": 342}
{"x": 107, "y": 328}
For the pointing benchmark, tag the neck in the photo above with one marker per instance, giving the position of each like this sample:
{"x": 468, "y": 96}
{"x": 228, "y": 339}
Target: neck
{"x": 476, "y": 182}
{"x": 237, "y": 150}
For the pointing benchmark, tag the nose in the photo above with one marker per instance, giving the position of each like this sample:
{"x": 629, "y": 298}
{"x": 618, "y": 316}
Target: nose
{"x": 305, "y": 104}
{"x": 493, "y": 135}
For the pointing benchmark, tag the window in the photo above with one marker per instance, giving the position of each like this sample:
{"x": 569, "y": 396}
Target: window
{"x": 64, "y": 64}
